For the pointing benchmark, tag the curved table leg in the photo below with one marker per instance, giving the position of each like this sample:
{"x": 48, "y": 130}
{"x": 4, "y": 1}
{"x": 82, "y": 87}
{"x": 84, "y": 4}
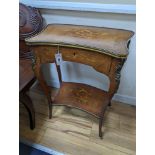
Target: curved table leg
{"x": 50, "y": 107}
{"x": 25, "y": 99}
{"x": 100, "y": 127}
{"x": 101, "y": 121}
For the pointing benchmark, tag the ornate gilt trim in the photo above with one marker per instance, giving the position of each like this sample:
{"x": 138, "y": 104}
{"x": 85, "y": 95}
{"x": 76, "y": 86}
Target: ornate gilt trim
{"x": 118, "y": 70}
{"x": 103, "y": 51}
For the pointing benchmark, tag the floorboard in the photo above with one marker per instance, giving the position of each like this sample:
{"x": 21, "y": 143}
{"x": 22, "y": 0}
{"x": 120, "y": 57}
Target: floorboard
{"x": 74, "y": 132}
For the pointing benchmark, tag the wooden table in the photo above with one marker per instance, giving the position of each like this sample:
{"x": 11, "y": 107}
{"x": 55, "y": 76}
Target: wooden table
{"x": 26, "y": 79}
{"x": 105, "y": 49}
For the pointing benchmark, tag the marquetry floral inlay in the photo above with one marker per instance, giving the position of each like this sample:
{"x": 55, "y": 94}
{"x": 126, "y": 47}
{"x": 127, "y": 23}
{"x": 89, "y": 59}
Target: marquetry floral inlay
{"x": 81, "y": 95}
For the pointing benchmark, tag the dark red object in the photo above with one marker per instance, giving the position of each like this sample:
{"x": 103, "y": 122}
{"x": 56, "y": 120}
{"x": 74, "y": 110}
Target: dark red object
{"x": 30, "y": 23}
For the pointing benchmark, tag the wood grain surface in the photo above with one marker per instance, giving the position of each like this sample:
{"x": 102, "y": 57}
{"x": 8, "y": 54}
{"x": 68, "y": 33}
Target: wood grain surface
{"x": 106, "y": 40}
{"x": 25, "y": 73}
{"x": 103, "y": 63}
{"x": 74, "y": 132}
{"x": 104, "y": 49}
{"x": 82, "y": 96}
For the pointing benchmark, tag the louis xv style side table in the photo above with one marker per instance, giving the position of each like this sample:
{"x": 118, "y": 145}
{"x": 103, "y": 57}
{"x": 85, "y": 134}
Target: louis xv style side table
{"x": 105, "y": 49}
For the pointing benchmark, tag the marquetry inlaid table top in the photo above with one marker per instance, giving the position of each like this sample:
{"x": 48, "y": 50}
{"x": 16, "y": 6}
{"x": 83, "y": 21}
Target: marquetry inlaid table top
{"x": 106, "y": 40}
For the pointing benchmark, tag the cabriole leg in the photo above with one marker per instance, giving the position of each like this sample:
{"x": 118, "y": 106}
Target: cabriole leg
{"x": 50, "y": 107}
{"x": 100, "y": 127}
{"x": 50, "y": 111}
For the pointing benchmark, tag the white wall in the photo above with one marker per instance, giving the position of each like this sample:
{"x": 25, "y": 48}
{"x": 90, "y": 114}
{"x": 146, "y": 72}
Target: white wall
{"x": 112, "y": 6}
{"x": 127, "y": 89}
{"x": 100, "y": 1}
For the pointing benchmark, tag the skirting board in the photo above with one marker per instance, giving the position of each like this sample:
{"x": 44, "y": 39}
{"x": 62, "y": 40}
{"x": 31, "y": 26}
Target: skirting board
{"x": 40, "y": 147}
{"x": 125, "y": 99}
{"x": 117, "y": 97}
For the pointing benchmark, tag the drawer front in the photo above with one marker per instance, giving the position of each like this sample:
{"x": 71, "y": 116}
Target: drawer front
{"x": 99, "y": 61}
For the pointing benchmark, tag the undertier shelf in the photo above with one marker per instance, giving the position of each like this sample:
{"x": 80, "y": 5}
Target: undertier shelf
{"x": 82, "y": 96}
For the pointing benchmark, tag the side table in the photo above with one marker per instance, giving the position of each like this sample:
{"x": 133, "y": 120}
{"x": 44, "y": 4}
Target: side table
{"x": 105, "y": 49}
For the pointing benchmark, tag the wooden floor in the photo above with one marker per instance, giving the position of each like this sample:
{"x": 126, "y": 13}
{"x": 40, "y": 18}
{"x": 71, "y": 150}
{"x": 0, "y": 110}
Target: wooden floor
{"x": 74, "y": 132}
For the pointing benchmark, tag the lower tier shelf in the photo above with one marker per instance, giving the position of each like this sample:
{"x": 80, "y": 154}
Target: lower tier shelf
{"x": 82, "y": 96}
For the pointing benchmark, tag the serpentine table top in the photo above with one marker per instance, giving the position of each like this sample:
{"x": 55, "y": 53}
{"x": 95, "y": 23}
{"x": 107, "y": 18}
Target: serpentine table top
{"x": 106, "y": 40}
